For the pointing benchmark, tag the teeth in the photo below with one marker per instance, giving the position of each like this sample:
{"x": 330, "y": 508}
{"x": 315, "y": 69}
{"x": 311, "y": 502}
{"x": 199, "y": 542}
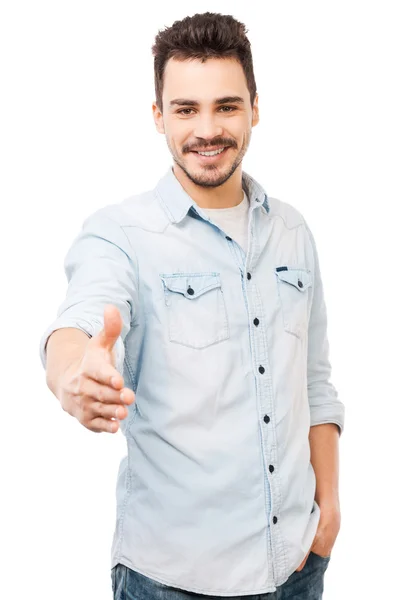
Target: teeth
{"x": 212, "y": 153}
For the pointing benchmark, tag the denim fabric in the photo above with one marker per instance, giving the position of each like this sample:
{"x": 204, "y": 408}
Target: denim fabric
{"x": 227, "y": 353}
{"x": 307, "y": 584}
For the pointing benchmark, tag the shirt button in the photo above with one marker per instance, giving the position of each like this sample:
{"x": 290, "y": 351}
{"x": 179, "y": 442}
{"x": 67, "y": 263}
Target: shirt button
{"x": 267, "y": 419}
{"x": 300, "y": 284}
{"x": 275, "y": 520}
{"x": 256, "y": 321}
{"x": 228, "y": 238}
{"x": 190, "y": 291}
{"x": 248, "y": 275}
{"x": 271, "y": 468}
{"x": 261, "y": 369}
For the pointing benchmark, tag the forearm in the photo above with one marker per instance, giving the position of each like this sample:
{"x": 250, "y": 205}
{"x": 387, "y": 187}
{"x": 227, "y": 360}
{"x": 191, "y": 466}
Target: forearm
{"x": 65, "y": 347}
{"x": 324, "y": 447}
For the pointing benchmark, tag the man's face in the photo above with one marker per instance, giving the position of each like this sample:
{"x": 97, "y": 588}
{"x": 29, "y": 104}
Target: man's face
{"x": 206, "y": 107}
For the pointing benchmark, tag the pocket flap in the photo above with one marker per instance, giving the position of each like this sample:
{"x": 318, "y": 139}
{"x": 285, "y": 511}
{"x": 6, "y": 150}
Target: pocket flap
{"x": 299, "y": 278}
{"x": 191, "y": 285}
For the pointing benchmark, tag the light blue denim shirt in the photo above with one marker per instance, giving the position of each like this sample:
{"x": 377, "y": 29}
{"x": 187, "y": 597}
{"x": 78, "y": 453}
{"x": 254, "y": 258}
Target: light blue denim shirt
{"x": 228, "y": 356}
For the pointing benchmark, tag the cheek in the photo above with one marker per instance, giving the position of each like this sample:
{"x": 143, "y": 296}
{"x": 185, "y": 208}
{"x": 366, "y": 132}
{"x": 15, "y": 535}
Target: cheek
{"x": 240, "y": 130}
{"x": 178, "y": 134}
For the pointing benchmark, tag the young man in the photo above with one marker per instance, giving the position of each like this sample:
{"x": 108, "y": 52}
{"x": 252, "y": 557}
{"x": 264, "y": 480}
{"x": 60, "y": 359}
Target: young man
{"x": 195, "y": 319}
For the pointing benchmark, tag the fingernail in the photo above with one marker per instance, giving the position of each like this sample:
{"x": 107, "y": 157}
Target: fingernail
{"x": 122, "y": 396}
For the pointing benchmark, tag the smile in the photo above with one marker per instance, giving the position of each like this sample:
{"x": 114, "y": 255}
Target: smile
{"x": 211, "y": 153}
{"x": 206, "y": 156}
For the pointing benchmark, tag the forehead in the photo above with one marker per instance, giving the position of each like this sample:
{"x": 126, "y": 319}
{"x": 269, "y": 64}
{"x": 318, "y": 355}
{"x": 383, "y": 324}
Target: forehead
{"x": 214, "y": 78}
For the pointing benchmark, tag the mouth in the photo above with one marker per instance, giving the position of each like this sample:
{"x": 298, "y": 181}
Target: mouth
{"x": 210, "y": 155}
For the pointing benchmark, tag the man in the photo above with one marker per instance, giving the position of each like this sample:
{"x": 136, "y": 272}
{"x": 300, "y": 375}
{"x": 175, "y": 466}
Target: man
{"x": 195, "y": 320}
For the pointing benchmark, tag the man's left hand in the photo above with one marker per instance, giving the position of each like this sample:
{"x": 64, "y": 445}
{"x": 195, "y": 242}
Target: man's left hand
{"x": 328, "y": 529}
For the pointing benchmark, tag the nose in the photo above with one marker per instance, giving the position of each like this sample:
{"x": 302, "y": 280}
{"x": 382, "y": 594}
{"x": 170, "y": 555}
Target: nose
{"x": 207, "y": 127}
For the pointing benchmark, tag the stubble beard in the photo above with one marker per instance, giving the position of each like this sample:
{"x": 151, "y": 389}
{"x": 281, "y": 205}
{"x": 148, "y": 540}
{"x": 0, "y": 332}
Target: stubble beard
{"x": 208, "y": 178}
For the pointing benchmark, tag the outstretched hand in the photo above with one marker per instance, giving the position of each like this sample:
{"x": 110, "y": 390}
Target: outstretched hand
{"x": 92, "y": 390}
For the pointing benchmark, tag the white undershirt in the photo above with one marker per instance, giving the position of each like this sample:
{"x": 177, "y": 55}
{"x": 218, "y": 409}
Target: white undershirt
{"x": 232, "y": 220}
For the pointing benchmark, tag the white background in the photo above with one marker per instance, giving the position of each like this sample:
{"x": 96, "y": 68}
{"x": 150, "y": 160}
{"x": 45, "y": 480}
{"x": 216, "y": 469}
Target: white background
{"x": 76, "y": 134}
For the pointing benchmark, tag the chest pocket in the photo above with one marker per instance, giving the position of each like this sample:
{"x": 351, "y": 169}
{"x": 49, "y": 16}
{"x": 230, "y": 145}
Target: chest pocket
{"x": 294, "y": 286}
{"x": 196, "y": 310}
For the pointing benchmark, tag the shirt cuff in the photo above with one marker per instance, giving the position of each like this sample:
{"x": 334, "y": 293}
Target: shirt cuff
{"x": 90, "y": 329}
{"x": 329, "y": 414}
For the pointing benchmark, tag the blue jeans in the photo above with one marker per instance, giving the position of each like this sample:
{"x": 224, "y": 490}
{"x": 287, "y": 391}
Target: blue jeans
{"x": 307, "y": 584}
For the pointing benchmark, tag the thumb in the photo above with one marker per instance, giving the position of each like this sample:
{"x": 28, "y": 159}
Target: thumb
{"x": 303, "y": 562}
{"x": 107, "y": 337}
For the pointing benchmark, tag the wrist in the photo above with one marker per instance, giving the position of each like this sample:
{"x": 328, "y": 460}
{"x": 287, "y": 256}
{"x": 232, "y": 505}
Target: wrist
{"x": 328, "y": 504}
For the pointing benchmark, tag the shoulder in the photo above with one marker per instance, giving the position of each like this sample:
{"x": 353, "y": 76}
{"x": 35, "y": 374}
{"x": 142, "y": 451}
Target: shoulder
{"x": 140, "y": 210}
{"x": 290, "y": 215}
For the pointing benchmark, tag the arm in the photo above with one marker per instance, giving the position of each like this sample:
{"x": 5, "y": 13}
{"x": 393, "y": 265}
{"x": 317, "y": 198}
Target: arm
{"x": 324, "y": 446}
{"x": 100, "y": 270}
{"x": 326, "y": 419}
{"x": 325, "y": 406}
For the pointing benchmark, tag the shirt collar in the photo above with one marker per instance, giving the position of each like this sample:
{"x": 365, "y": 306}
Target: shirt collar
{"x": 177, "y": 202}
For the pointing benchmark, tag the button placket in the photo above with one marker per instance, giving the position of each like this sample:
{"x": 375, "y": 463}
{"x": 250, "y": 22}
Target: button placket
{"x": 264, "y": 399}
{"x": 265, "y": 387}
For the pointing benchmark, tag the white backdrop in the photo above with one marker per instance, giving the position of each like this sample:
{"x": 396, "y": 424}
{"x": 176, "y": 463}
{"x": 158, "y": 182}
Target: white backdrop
{"x": 76, "y": 133}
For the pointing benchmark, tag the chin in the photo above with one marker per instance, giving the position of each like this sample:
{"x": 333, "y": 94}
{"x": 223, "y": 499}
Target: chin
{"x": 210, "y": 178}
{"x": 207, "y": 176}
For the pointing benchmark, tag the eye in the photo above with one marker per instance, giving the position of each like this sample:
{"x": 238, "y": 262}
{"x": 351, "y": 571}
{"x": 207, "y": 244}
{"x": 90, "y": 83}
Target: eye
{"x": 230, "y": 108}
{"x": 182, "y": 111}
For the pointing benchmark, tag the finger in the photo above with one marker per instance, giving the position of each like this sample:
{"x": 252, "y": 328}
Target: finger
{"x": 107, "y": 411}
{"x": 112, "y": 328}
{"x": 102, "y": 372}
{"x": 100, "y": 425}
{"x": 127, "y": 396}
{"x": 300, "y": 568}
{"x": 107, "y": 394}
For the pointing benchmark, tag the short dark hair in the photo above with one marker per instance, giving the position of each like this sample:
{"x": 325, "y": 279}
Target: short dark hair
{"x": 203, "y": 36}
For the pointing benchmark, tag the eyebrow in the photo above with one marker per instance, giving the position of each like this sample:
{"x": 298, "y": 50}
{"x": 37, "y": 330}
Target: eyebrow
{"x": 224, "y": 100}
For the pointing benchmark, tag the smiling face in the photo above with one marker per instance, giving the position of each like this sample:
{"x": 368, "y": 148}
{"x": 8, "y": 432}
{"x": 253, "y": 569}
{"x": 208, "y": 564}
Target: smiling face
{"x": 206, "y": 108}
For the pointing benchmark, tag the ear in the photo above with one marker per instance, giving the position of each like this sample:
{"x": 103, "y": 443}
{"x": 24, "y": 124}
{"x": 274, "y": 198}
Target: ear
{"x": 158, "y": 118}
{"x": 256, "y": 114}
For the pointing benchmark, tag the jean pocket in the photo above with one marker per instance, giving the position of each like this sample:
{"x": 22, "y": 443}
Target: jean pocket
{"x": 294, "y": 285}
{"x": 324, "y": 558}
{"x": 196, "y": 310}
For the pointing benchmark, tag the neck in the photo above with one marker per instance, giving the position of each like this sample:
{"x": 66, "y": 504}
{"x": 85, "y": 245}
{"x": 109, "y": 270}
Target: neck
{"x": 226, "y": 195}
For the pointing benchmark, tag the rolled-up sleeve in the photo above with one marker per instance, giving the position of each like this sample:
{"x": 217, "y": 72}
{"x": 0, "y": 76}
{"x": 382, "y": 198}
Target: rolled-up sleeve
{"x": 101, "y": 269}
{"x": 325, "y": 406}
